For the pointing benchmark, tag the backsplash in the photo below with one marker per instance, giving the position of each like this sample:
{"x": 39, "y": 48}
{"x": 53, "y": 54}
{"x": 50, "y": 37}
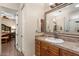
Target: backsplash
{"x": 66, "y": 37}
{"x": 69, "y": 37}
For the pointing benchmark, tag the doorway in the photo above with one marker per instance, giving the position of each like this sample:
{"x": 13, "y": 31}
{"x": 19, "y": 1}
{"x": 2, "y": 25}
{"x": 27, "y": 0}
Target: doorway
{"x": 8, "y": 32}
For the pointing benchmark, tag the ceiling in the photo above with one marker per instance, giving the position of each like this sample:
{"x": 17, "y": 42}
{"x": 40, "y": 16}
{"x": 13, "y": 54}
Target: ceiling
{"x": 71, "y": 9}
{"x": 13, "y": 6}
{"x": 9, "y": 9}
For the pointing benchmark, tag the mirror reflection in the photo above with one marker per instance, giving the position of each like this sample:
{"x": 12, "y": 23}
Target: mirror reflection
{"x": 63, "y": 20}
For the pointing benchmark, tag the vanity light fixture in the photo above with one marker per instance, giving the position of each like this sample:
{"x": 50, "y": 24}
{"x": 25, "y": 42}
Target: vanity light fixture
{"x": 77, "y": 5}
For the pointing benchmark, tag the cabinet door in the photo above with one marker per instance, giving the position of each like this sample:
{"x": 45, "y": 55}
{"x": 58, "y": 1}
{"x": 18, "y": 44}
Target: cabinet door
{"x": 53, "y": 50}
{"x": 67, "y": 53}
{"x": 51, "y": 53}
{"x": 43, "y": 49}
{"x": 43, "y": 52}
{"x": 37, "y": 47}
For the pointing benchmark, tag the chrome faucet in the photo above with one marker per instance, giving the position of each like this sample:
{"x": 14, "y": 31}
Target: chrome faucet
{"x": 55, "y": 34}
{"x": 55, "y": 31}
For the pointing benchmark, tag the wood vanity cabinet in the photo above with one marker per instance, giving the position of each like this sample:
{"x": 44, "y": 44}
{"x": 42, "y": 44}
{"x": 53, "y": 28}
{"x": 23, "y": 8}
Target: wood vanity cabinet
{"x": 46, "y": 49}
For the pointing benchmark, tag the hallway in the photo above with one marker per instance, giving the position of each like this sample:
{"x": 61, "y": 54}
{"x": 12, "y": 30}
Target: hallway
{"x": 8, "y": 49}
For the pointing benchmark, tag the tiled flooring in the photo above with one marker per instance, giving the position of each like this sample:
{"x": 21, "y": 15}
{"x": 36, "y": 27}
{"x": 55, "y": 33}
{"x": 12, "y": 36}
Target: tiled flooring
{"x": 8, "y": 49}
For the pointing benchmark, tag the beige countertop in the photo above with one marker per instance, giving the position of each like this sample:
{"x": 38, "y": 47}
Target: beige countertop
{"x": 70, "y": 46}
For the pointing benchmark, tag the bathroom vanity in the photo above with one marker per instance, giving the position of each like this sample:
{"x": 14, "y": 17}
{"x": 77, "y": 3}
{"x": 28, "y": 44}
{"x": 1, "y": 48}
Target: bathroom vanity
{"x": 61, "y": 23}
{"x": 45, "y": 48}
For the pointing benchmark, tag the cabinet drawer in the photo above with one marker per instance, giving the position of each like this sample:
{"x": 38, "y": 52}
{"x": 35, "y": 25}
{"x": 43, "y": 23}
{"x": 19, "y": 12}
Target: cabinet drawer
{"x": 67, "y": 53}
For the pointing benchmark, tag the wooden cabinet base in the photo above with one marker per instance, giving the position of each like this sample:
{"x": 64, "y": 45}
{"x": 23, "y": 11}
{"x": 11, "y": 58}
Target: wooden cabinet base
{"x": 46, "y": 49}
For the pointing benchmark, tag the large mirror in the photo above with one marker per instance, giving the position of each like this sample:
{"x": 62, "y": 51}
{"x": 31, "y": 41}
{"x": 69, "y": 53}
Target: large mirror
{"x": 65, "y": 19}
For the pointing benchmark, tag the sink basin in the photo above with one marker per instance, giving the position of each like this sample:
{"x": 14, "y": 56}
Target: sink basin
{"x": 54, "y": 40}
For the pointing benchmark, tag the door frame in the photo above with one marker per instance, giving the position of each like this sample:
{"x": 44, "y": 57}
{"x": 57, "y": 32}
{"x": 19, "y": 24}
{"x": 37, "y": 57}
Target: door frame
{"x": 20, "y": 9}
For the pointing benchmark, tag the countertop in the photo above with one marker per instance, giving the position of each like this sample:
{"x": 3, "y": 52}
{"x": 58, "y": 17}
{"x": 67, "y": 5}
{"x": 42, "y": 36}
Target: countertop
{"x": 70, "y": 46}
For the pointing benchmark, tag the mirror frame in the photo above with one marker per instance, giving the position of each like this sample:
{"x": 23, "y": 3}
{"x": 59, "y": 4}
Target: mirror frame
{"x": 52, "y": 10}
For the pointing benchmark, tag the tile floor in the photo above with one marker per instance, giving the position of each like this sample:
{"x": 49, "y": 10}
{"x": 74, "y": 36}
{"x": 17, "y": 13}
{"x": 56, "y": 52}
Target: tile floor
{"x": 8, "y": 49}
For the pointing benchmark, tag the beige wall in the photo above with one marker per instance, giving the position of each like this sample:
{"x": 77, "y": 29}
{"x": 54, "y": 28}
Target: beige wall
{"x": 31, "y": 14}
{"x": 28, "y": 29}
{"x": 29, "y": 18}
